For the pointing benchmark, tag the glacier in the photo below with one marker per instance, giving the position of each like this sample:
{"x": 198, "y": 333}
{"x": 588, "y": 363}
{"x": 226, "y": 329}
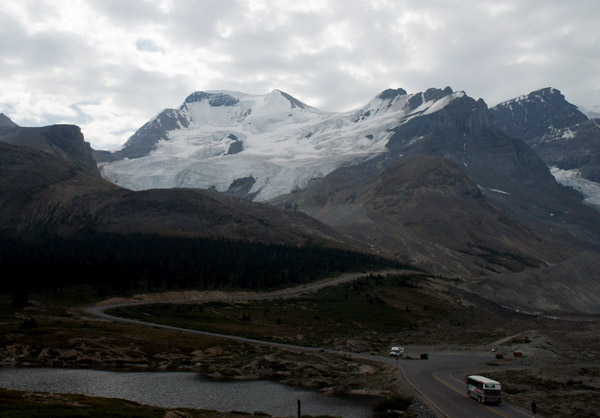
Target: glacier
{"x": 278, "y": 141}
{"x": 572, "y": 178}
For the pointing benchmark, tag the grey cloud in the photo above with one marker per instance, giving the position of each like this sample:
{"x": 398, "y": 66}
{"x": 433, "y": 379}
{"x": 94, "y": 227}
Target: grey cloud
{"x": 128, "y": 13}
{"x": 39, "y": 52}
{"x": 193, "y": 22}
{"x": 469, "y": 48}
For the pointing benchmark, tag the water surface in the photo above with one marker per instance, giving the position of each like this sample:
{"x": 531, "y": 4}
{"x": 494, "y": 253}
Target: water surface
{"x": 183, "y": 390}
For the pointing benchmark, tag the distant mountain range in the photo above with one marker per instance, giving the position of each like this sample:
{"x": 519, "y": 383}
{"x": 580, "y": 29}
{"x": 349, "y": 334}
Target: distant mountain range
{"x": 264, "y": 146}
{"x": 434, "y": 177}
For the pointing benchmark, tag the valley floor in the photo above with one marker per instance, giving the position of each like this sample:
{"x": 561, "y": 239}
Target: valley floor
{"x": 560, "y": 357}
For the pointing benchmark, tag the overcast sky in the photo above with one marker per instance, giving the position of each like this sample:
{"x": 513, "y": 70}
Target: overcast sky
{"x": 110, "y": 65}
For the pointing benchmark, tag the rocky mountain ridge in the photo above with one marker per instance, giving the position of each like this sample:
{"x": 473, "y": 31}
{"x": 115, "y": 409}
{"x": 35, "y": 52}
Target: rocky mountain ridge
{"x": 63, "y": 141}
{"x": 424, "y": 207}
{"x": 6, "y": 121}
{"x": 562, "y": 135}
{"x": 536, "y": 114}
{"x": 510, "y": 189}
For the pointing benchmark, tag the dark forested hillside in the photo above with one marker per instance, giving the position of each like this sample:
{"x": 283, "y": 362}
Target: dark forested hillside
{"x": 114, "y": 263}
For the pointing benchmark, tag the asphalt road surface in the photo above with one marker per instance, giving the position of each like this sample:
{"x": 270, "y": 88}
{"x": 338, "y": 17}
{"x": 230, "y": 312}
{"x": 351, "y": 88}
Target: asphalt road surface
{"x": 433, "y": 379}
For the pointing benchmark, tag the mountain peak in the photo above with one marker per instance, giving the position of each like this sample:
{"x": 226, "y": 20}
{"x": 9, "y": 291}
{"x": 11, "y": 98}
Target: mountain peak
{"x": 5, "y": 121}
{"x": 266, "y": 145}
{"x": 293, "y": 101}
{"x": 436, "y": 94}
{"x": 223, "y": 98}
{"x": 536, "y": 114}
{"x": 547, "y": 91}
{"x": 391, "y": 93}
{"x": 398, "y": 100}
{"x": 214, "y": 98}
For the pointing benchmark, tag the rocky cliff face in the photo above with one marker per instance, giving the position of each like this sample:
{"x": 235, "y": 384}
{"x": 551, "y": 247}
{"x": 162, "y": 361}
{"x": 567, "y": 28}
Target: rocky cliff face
{"x": 539, "y": 113}
{"x": 508, "y": 171}
{"x": 5, "y": 121}
{"x": 145, "y": 139}
{"x": 464, "y": 132}
{"x": 559, "y": 133}
{"x": 63, "y": 141}
{"x": 576, "y": 147}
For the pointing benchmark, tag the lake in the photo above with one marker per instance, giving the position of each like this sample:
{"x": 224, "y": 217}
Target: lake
{"x": 184, "y": 389}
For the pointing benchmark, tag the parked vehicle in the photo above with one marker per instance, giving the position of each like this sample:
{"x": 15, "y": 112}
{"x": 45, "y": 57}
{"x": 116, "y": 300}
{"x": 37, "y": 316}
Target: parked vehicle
{"x": 396, "y": 352}
{"x": 483, "y": 389}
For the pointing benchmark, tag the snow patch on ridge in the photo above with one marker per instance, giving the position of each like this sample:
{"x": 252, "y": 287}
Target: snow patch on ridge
{"x": 498, "y": 191}
{"x": 568, "y": 134}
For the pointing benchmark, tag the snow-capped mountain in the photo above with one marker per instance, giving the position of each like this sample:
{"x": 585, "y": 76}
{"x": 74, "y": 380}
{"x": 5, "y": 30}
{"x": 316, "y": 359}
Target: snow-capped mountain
{"x": 260, "y": 146}
{"x": 563, "y": 136}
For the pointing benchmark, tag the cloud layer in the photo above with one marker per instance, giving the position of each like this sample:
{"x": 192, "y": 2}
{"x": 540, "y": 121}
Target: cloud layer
{"x": 110, "y": 65}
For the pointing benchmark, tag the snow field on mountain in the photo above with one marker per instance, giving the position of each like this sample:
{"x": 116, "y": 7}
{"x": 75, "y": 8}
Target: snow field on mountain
{"x": 285, "y": 143}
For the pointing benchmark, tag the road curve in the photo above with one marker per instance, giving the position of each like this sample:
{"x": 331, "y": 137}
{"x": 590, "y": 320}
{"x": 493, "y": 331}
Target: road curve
{"x": 100, "y": 311}
{"x": 433, "y": 379}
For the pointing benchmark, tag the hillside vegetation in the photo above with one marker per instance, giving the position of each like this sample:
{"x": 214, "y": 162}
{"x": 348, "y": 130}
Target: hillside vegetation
{"x": 117, "y": 264}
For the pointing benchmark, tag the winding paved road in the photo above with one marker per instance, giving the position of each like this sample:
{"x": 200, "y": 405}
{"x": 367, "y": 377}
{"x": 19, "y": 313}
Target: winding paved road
{"x": 433, "y": 379}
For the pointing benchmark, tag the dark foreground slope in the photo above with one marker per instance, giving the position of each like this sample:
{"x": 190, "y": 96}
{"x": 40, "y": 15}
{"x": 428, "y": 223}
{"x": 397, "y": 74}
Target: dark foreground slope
{"x": 106, "y": 264}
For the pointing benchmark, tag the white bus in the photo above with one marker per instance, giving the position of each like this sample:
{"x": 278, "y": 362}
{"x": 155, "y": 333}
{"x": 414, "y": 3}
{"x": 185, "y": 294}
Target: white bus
{"x": 483, "y": 389}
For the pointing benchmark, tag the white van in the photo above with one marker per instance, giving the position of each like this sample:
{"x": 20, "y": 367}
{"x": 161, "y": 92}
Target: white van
{"x": 396, "y": 351}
